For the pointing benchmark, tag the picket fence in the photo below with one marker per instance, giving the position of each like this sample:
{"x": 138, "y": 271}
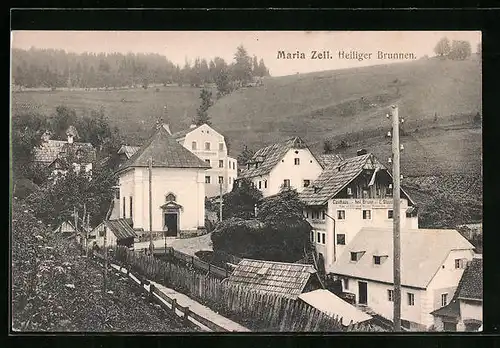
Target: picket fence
{"x": 256, "y": 310}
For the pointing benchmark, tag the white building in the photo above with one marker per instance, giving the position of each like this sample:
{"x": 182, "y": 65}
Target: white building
{"x": 289, "y": 163}
{"x": 432, "y": 263}
{"x": 178, "y": 187}
{"x": 465, "y": 310}
{"x": 351, "y": 194}
{"x": 116, "y": 232}
{"x": 211, "y": 147}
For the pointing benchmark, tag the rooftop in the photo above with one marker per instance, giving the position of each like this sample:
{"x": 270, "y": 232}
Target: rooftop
{"x": 128, "y": 150}
{"x": 51, "y": 150}
{"x": 267, "y": 157}
{"x": 121, "y": 228}
{"x": 166, "y": 152}
{"x": 286, "y": 279}
{"x": 423, "y": 251}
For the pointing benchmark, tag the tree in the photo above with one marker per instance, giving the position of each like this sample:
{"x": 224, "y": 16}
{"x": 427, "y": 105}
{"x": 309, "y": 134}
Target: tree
{"x": 255, "y": 67}
{"x": 243, "y": 65}
{"x": 263, "y": 70}
{"x": 246, "y": 155}
{"x": 460, "y": 50}
{"x": 328, "y": 147}
{"x": 479, "y": 50}
{"x": 442, "y": 47}
{"x": 202, "y": 111}
{"x": 285, "y": 208}
{"x": 241, "y": 201}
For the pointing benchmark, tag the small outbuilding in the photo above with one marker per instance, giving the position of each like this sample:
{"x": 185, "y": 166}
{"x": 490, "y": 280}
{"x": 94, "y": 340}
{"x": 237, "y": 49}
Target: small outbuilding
{"x": 117, "y": 232}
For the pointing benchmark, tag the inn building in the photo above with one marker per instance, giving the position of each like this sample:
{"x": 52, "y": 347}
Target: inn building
{"x": 351, "y": 194}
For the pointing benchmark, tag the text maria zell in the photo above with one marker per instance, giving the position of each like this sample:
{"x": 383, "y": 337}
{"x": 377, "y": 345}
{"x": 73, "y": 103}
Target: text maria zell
{"x": 350, "y": 55}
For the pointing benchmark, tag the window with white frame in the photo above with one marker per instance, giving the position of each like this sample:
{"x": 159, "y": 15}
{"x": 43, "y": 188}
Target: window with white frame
{"x": 307, "y": 183}
{"x": 286, "y": 183}
{"x": 193, "y": 145}
{"x": 221, "y": 179}
{"x": 221, "y": 164}
{"x": 296, "y": 161}
{"x": 390, "y": 295}
{"x": 444, "y": 299}
{"x": 367, "y": 214}
{"x": 411, "y": 299}
{"x": 221, "y": 146}
{"x": 318, "y": 237}
{"x": 207, "y": 179}
{"x": 390, "y": 214}
{"x": 341, "y": 239}
{"x": 341, "y": 214}
{"x": 312, "y": 236}
{"x": 207, "y": 145}
{"x": 323, "y": 237}
{"x": 260, "y": 184}
{"x": 265, "y": 183}
{"x": 346, "y": 283}
{"x": 208, "y": 162}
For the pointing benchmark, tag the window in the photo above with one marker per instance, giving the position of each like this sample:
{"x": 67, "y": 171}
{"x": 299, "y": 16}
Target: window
{"x": 101, "y": 233}
{"x": 208, "y": 162}
{"x": 296, "y": 161}
{"x": 390, "y": 214}
{"x": 444, "y": 300}
{"x": 207, "y": 179}
{"x": 323, "y": 215}
{"x": 349, "y": 191}
{"x": 229, "y": 180}
{"x": 411, "y": 299}
{"x": 221, "y": 179}
{"x": 286, "y": 183}
{"x": 376, "y": 260}
{"x": 307, "y": 183}
{"x": 388, "y": 190}
{"x": 193, "y": 145}
{"x": 131, "y": 210}
{"x": 207, "y": 145}
{"x": 319, "y": 237}
{"x": 170, "y": 198}
{"x": 341, "y": 214}
{"x": 367, "y": 214}
{"x": 460, "y": 263}
{"x": 117, "y": 194}
{"x": 221, "y": 146}
{"x": 390, "y": 295}
{"x": 448, "y": 326}
{"x": 312, "y": 236}
{"x": 234, "y": 165}
{"x": 265, "y": 183}
{"x": 221, "y": 164}
{"x": 346, "y": 283}
{"x": 356, "y": 255}
{"x": 323, "y": 238}
{"x": 260, "y": 184}
{"x": 123, "y": 208}
{"x": 340, "y": 239}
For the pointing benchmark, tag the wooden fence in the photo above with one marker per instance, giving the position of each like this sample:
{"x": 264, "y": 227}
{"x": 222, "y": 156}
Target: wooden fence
{"x": 256, "y": 310}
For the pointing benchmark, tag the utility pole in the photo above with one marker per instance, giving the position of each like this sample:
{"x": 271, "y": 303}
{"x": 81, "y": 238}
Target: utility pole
{"x": 105, "y": 259}
{"x": 150, "y": 163}
{"x": 75, "y": 216}
{"x": 84, "y": 230}
{"x": 396, "y": 218}
{"x": 220, "y": 201}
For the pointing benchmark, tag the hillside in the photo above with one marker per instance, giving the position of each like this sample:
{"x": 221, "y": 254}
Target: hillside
{"x": 345, "y": 104}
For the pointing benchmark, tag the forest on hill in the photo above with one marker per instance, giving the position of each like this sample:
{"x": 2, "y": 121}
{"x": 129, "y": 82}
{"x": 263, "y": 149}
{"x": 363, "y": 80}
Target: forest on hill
{"x": 57, "y": 68}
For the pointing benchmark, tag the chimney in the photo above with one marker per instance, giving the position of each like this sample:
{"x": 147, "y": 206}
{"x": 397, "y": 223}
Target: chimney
{"x": 192, "y": 126}
{"x": 361, "y": 152}
{"x": 167, "y": 128}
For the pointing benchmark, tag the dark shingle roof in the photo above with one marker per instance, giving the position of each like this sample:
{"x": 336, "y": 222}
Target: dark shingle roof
{"x": 328, "y": 159}
{"x": 269, "y": 156}
{"x": 166, "y": 152}
{"x": 335, "y": 177}
{"x": 472, "y": 285}
{"x": 338, "y": 175}
{"x": 51, "y": 150}
{"x": 128, "y": 150}
{"x": 120, "y": 228}
{"x": 286, "y": 279}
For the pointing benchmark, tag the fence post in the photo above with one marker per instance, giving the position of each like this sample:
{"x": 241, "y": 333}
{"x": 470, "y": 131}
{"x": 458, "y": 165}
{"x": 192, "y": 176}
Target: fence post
{"x": 151, "y": 292}
{"x": 174, "y": 304}
{"x": 186, "y": 315}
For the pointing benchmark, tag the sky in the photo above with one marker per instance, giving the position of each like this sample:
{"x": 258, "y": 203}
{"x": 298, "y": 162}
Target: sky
{"x": 179, "y": 46}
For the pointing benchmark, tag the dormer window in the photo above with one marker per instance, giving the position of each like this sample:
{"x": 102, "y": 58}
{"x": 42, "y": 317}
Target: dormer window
{"x": 356, "y": 255}
{"x": 379, "y": 259}
{"x": 316, "y": 189}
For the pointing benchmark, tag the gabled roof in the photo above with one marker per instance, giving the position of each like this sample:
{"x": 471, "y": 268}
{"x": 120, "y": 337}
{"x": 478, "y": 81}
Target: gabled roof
{"x": 332, "y": 305}
{"x": 268, "y": 157}
{"x": 469, "y": 287}
{"x": 423, "y": 251}
{"x": 121, "y": 228}
{"x": 181, "y": 134}
{"x": 51, "y": 150}
{"x": 128, "y": 150}
{"x": 166, "y": 152}
{"x": 328, "y": 159}
{"x": 472, "y": 286}
{"x": 337, "y": 175}
{"x": 286, "y": 279}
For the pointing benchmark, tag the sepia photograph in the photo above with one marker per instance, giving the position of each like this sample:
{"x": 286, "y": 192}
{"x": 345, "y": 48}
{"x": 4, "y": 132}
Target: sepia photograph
{"x": 246, "y": 181}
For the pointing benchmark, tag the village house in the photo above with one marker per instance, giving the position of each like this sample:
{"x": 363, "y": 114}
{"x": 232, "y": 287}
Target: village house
{"x": 432, "y": 263}
{"x": 284, "y": 279}
{"x": 53, "y": 153}
{"x": 210, "y": 146}
{"x": 177, "y": 187}
{"x": 286, "y": 164}
{"x": 117, "y": 232}
{"x": 465, "y": 310}
{"x": 351, "y": 194}
{"x": 66, "y": 228}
